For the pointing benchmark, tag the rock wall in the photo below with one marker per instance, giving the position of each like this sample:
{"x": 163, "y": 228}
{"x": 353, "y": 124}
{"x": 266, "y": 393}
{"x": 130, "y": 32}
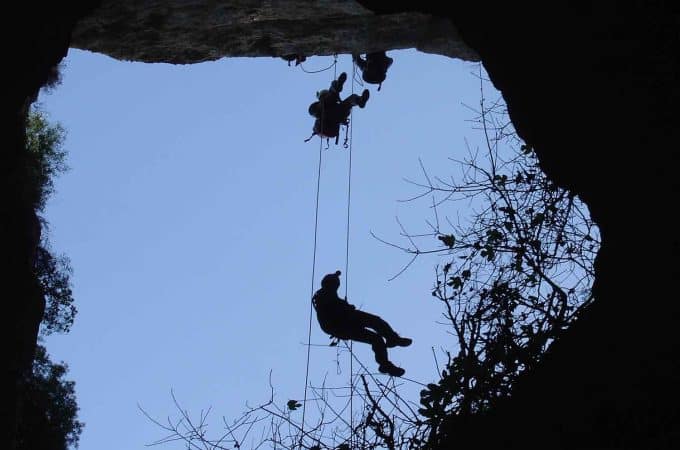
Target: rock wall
{"x": 36, "y": 37}
{"x": 185, "y": 32}
{"x": 592, "y": 89}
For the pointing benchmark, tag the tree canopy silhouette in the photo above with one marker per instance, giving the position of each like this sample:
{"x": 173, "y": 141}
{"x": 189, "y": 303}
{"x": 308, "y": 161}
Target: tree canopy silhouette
{"x": 48, "y": 408}
{"x": 46, "y": 160}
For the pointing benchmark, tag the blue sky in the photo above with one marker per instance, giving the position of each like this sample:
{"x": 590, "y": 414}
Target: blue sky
{"x": 188, "y": 215}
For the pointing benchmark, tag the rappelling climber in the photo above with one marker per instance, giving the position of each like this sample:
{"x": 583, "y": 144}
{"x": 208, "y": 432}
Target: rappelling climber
{"x": 331, "y": 112}
{"x": 342, "y": 320}
{"x": 374, "y": 67}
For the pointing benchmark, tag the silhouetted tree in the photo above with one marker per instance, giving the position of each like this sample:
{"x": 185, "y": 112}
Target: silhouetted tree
{"x": 381, "y": 419}
{"x": 46, "y": 155}
{"x": 48, "y": 408}
{"x": 517, "y": 270}
{"x": 49, "y": 412}
{"x": 47, "y": 159}
{"x": 54, "y": 273}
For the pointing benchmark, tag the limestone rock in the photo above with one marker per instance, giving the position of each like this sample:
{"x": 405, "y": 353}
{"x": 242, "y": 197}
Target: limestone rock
{"x": 192, "y": 31}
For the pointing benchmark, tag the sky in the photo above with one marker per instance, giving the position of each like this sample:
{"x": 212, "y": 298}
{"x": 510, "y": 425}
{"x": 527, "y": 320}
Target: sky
{"x": 188, "y": 214}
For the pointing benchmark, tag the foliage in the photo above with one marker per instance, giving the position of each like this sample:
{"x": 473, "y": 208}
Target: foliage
{"x": 49, "y": 412}
{"x": 54, "y": 273}
{"x": 47, "y": 158}
{"x": 518, "y": 268}
{"x": 383, "y": 419}
{"x": 44, "y": 144}
{"x": 54, "y": 77}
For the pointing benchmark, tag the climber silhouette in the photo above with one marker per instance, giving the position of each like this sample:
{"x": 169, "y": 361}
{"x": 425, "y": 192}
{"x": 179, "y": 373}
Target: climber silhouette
{"x": 374, "y": 67}
{"x": 330, "y": 112}
{"x": 342, "y": 320}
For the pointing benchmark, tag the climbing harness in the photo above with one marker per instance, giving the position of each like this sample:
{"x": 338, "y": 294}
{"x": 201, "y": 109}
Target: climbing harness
{"x": 337, "y": 136}
{"x": 320, "y": 127}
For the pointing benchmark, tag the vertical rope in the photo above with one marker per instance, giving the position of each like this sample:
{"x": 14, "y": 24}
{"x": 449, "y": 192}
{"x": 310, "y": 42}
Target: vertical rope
{"x": 335, "y": 66}
{"x": 311, "y": 306}
{"x": 316, "y": 228}
{"x": 349, "y": 204}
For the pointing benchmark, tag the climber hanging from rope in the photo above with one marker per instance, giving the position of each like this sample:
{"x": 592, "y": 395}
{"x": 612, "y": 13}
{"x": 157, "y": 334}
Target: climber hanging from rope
{"x": 342, "y": 320}
{"x": 331, "y": 112}
{"x": 374, "y": 67}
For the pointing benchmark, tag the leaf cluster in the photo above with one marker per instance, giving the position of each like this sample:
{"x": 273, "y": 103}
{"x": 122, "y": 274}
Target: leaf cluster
{"x": 517, "y": 270}
{"x": 46, "y": 159}
{"x": 49, "y": 413}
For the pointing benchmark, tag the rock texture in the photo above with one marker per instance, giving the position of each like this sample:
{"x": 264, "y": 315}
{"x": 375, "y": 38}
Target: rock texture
{"x": 36, "y": 37}
{"x": 192, "y": 31}
{"x": 594, "y": 90}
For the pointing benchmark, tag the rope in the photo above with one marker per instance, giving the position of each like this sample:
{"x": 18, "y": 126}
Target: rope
{"x": 349, "y": 204}
{"x": 316, "y": 233}
{"x": 335, "y": 66}
{"x": 309, "y": 333}
{"x": 316, "y": 228}
{"x": 320, "y": 70}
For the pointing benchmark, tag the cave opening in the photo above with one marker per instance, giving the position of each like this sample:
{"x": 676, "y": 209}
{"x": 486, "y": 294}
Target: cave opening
{"x": 188, "y": 216}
